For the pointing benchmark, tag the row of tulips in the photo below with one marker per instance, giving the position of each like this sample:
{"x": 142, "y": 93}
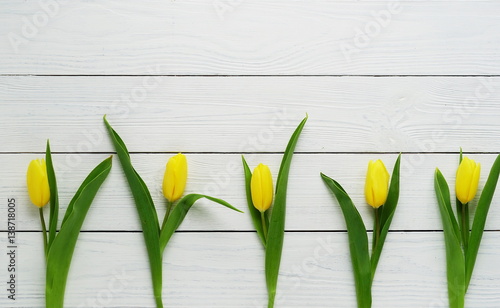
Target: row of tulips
{"x": 267, "y": 208}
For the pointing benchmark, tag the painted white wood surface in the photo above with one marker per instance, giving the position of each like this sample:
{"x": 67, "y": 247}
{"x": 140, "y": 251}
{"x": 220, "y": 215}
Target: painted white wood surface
{"x": 215, "y": 260}
{"x": 251, "y": 114}
{"x": 310, "y": 205}
{"x": 251, "y": 37}
{"x": 226, "y": 270}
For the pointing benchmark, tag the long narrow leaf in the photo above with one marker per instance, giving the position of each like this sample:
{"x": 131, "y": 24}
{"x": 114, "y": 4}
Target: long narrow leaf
{"x": 276, "y": 230}
{"x": 445, "y": 194}
{"x": 91, "y": 177}
{"x": 54, "y": 197}
{"x": 455, "y": 260}
{"x": 63, "y": 246}
{"x": 179, "y": 213}
{"x": 358, "y": 243}
{"x": 388, "y": 210}
{"x": 147, "y": 213}
{"x": 255, "y": 214}
{"x": 483, "y": 207}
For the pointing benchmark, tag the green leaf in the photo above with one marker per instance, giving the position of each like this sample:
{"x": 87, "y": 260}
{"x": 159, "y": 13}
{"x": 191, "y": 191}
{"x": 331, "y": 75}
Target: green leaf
{"x": 445, "y": 194}
{"x": 255, "y": 214}
{"x": 63, "y": 246}
{"x": 482, "y": 209}
{"x": 276, "y": 230}
{"x": 179, "y": 213}
{"x": 358, "y": 243}
{"x": 54, "y": 197}
{"x": 388, "y": 210}
{"x": 455, "y": 260}
{"x": 147, "y": 213}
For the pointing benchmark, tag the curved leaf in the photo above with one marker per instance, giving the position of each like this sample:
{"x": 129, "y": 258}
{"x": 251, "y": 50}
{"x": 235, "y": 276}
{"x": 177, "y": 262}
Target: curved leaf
{"x": 276, "y": 230}
{"x": 63, "y": 246}
{"x": 147, "y": 212}
{"x": 358, "y": 243}
{"x": 482, "y": 209}
{"x": 179, "y": 213}
{"x": 455, "y": 260}
{"x": 446, "y": 202}
{"x": 54, "y": 197}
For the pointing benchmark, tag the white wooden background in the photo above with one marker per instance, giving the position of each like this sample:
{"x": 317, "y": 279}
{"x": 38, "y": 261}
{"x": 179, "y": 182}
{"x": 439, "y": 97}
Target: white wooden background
{"x": 220, "y": 78}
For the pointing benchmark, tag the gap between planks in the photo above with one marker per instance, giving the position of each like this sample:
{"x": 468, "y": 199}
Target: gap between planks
{"x": 250, "y": 75}
{"x": 244, "y": 231}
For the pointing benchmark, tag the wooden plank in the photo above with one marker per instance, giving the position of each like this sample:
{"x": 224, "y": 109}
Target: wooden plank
{"x": 251, "y": 114}
{"x": 226, "y": 270}
{"x": 310, "y": 204}
{"x": 243, "y": 37}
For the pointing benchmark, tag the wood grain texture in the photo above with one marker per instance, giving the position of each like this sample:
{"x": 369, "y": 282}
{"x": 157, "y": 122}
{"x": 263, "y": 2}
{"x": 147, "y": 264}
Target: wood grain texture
{"x": 226, "y": 270}
{"x": 310, "y": 206}
{"x": 251, "y": 114}
{"x": 250, "y": 37}
{"x": 321, "y": 57}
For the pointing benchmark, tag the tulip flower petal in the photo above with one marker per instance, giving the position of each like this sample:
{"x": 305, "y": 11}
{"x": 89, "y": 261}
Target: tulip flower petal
{"x": 474, "y": 181}
{"x": 174, "y": 181}
{"x": 180, "y": 175}
{"x": 376, "y": 185}
{"x": 467, "y": 180}
{"x": 254, "y": 212}
{"x": 462, "y": 186}
{"x": 37, "y": 182}
{"x": 256, "y": 189}
{"x": 261, "y": 184}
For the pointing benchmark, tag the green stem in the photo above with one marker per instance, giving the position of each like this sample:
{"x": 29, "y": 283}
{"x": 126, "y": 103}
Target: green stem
{"x": 376, "y": 228}
{"x": 465, "y": 226}
{"x": 264, "y": 225}
{"x": 159, "y": 302}
{"x": 44, "y": 232}
{"x": 169, "y": 209}
{"x": 460, "y": 210}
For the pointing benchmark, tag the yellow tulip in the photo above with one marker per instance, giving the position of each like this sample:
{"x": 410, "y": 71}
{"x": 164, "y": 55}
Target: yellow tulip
{"x": 175, "y": 178}
{"x": 38, "y": 183}
{"x": 377, "y": 184}
{"x": 261, "y": 186}
{"x": 467, "y": 180}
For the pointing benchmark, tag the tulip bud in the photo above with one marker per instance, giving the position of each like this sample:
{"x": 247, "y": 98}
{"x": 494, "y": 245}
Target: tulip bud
{"x": 377, "y": 184}
{"x": 467, "y": 180}
{"x": 38, "y": 183}
{"x": 261, "y": 186}
{"x": 174, "y": 180}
